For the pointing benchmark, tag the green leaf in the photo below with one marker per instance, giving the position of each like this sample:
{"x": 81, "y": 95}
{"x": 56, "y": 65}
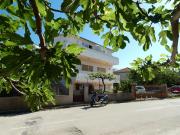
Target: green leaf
{"x": 74, "y": 49}
{"x": 15, "y": 38}
{"x": 125, "y": 38}
{"x": 106, "y": 38}
{"x": 84, "y": 3}
{"x": 70, "y": 5}
{"x": 41, "y": 7}
{"x": 168, "y": 48}
{"x": 147, "y": 43}
{"x": 31, "y": 21}
{"x": 169, "y": 35}
{"x": 108, "y": 14}
{"x": 5, "y": 3}
{"x": 27, "y": 34}
{"x": 162, "y": 36}
{"x": 152, "y": 33}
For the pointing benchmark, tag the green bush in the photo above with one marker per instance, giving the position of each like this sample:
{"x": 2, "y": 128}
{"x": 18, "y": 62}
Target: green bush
{"x": 116, "y": 87}
{"x": 125, "y": 86}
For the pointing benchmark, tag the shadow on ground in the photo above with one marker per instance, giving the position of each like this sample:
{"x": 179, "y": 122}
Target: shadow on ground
{"x": 89, "y": 107}
{"x": 14, "y": 113}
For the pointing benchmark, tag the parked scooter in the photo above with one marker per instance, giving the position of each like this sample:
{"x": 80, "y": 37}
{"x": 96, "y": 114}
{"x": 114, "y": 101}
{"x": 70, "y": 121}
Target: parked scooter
{"x": 98, "y": 99}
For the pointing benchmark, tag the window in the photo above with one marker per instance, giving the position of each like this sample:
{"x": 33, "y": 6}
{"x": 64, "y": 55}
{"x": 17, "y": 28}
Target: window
{"x": 87, "y": 68}
{"x": 91, "y": 68}
{"x": 90, "y": 46}
{"x": 99, "y": 69}
{"x": 60, "y": 88}
{"x": 87, "y": 45}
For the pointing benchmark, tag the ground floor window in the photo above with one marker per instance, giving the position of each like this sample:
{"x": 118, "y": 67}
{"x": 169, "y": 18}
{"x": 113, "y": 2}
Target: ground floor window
{"x": 80, "y": 87}
{"x": 60, "y": 88}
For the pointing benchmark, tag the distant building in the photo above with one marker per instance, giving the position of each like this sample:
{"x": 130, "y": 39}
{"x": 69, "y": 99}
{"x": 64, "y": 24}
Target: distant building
{"x": 122, "y": 74}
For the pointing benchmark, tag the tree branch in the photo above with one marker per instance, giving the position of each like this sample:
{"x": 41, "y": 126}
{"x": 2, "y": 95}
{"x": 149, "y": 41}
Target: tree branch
{"x": 175, "y": 32}
{"x": 39, "y": 29}
{"x": 144, "y": 13}
{"x": 55, "y": 10}
{"x": 176, "y": 13}
{"x": 15, "y": 88}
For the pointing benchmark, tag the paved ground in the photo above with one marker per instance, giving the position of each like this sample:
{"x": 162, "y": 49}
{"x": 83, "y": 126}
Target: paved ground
{"x": 157, "y": 117}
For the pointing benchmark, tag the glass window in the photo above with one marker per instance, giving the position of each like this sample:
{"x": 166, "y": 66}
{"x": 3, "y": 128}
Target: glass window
{"x": 90, "y": 46}
{"x": 60, "y": 88}
{"x": 91, "y": 68}
{"x": 85, "y": 44}
{"x": 87, "y": 68}
{"x": 99, "y": 69}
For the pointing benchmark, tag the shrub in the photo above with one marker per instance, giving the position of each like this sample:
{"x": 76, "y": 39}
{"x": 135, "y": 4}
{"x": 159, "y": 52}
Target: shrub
{"x": 125, "y": 86}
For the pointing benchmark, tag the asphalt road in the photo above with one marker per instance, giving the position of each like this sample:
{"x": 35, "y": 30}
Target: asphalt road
{"x": 157, "y": 117}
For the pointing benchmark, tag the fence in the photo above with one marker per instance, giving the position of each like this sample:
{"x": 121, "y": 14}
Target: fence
{"x": 17, "y": 103}
{"x": 158, "y": 91}
{"x": 12, "y": 103}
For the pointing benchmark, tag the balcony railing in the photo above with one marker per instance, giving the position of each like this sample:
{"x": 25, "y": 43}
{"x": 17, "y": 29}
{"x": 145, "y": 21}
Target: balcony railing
{"x": 83, "y": 77}
{"x": 94, "y": 54}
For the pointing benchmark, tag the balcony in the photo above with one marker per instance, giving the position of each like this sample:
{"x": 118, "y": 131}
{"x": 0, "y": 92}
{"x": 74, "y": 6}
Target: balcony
{"x": 83, "y": 77}
{"x": 100, "y": 56}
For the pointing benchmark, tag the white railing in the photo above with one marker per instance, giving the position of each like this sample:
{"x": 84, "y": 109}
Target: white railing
{"x": 84, "y": 78}
{"x": 94, "y": 54}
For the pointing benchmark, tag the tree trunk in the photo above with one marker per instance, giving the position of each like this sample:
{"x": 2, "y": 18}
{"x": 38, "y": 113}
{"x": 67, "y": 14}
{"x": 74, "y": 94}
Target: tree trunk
{"x": 175, "y": 32}
{"x": 104, "y": 86}
{"x": 38, "y": 20}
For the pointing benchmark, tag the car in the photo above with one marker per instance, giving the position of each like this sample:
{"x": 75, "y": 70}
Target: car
{"x": 140, "y": 89}
{"x": 175, "y": 89}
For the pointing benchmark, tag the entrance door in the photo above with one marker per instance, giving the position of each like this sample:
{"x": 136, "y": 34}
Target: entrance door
{"x": 78, "y": 93}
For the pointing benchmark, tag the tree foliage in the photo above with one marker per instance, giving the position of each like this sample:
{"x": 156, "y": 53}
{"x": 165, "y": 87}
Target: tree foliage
{"x": 146, "y": 71}
{"x": 125, "y": 85}
{"x": 29, "y": 68}
{"x": 102, "y": 76}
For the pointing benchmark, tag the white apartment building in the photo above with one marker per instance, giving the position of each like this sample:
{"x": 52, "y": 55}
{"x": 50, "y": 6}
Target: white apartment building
{"x": 95, "y": 58}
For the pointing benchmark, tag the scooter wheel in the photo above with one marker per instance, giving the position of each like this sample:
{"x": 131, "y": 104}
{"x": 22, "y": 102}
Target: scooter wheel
{"x": 91, "y": 104}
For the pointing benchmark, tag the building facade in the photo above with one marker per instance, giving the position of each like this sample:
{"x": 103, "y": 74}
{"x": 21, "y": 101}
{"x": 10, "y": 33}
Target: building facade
{"x": 122, "y": 74}
{"x": 95, "y": 58}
